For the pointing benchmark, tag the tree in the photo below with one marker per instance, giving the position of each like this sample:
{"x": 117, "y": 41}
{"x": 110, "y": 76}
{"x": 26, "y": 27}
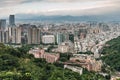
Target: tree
{"x": 8, "y": 62}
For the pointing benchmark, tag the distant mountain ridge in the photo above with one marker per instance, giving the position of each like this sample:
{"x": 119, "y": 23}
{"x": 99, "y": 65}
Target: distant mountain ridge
{"x": 31, "y": 17}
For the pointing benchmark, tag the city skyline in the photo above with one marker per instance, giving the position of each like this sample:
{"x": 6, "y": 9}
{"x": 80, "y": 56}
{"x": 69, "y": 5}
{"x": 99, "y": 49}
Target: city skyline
{"x": 59, "y": 7}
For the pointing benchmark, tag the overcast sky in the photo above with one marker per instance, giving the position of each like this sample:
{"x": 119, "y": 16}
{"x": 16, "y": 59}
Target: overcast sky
{"x": 58, "y": 7}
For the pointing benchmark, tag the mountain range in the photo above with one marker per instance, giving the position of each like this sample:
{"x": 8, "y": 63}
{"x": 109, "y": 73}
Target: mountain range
{"x": 57, "y": 18}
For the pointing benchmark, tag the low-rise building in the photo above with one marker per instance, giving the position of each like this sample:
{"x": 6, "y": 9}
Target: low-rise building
{"x": 40, "y": 53}
{"x": 66, "y": 47}
{"x": 115, "y": 77}
{"x": 37, "y": 52}
{"x": 87, "y": 61}
{"x": 74, "y": 68}
{"x": 51, "y": 57}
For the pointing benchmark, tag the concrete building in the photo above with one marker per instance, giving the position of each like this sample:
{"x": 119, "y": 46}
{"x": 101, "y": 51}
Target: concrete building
{"x": 6, "y": 37}
{"x": 65, "y": 47}
{"x": 18, "y": 35}
{"x": 1, "y": 36}
{"x": 12, "y": 20}
{"x": 87, "y": 61}
{"x": 48, "y": 39}
{"x": 14, "y": 34}
{"x": 13, "y": 39}
{"x": 71, "y": 37}
{"x": 37, "y": 52}
{"x": 60, "y": 38}
{"x": 33, "y": 35}
{"x": 50, "y": 57}
{"x": 40, "y": 53}
{"x": 74, "y": 68}
{"x": 82, "y": 33}
{"x": 96, "y": 53}
{"x": 2, "y": 24}
{"x": 66, "y": 36}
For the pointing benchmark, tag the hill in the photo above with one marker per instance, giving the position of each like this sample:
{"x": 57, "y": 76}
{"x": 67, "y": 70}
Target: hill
{"x": 16, "y": 64}
{"x": 112, "y": 53}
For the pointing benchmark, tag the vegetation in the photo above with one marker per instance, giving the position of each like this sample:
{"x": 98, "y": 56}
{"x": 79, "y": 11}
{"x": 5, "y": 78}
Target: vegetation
{"x": 112, "y": 54}
{"x": 88, "y": 52}
{"x": 50, "y": 48}
{"x": 65, "y": 56}
{"x": 16, "y": 64}
{"x": 112, "y": 46}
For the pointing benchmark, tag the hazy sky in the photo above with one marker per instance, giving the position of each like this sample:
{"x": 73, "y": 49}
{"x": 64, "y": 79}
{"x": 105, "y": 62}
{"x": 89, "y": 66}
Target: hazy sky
{"x": 58, "y": 7}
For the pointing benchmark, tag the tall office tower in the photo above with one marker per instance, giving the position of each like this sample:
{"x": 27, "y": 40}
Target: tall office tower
{"x": 12, "y": 20}
{"x": 2, "y": 24}
{"x": 60, "y": 38}
{"x": 33, "y": 35}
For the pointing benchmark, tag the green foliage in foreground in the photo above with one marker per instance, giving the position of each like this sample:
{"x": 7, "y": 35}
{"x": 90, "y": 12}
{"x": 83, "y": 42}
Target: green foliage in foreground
{"x": 16, "y": 64}
{"x": 113, "y": 46}
{"x": 112, "y": 54}
{"x": 88, "y": 52}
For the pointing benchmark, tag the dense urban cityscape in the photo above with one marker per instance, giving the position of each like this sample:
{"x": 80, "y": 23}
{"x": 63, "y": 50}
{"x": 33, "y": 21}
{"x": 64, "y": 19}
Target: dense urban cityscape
{"x": 59, "y": 39}
{"x": 76, "y": 46}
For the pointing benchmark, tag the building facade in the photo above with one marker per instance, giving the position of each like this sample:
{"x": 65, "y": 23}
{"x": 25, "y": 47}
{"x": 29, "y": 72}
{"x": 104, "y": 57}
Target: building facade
{"x": 2, "y": 24}
{"x": 33, "y": 35}
{"x": 48, "y": 39}
{"x": 12, "y": 20}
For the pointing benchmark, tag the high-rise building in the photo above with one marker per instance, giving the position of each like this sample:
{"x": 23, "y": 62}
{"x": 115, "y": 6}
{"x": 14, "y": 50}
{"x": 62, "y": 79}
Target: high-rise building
{"x": 2, "y": 24}
{"x": 1, "y": 36}
{"x": 12, "y": 20}
{"x": 18, "y": 35}
{"x": 6, "y": 37}
{"x": 66, "y": 36}
{"x": 33, "y": 35}
{"x": 14, "y": 35}
{"x": 82, "y": 33}
{"x": 71, "y": 37}
{"x": 60, "y": 38}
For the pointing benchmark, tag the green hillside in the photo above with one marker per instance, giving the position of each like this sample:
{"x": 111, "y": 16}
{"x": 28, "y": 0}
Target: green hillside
{"x": 112, "y": 53}
{"x": 16, "y": 64}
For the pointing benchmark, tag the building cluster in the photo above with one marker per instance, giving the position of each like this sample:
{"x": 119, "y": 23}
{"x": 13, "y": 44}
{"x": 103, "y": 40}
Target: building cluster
{"x": 87, "y": 61}
{"x": 40, "y": 53}
{"x": 115, "y": 77}
{"x": 74, "y": 68}
{"x": 12, "y": 33}
{"x": 68, "y": 37}
{"x": 65, "y": 47}
{"x": 9, "y": 33}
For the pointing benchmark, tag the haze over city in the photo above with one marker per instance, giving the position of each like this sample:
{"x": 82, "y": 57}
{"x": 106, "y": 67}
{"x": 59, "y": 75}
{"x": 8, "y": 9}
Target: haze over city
{"x": 59, "y": 40}
{"x": 35, "y": 8}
